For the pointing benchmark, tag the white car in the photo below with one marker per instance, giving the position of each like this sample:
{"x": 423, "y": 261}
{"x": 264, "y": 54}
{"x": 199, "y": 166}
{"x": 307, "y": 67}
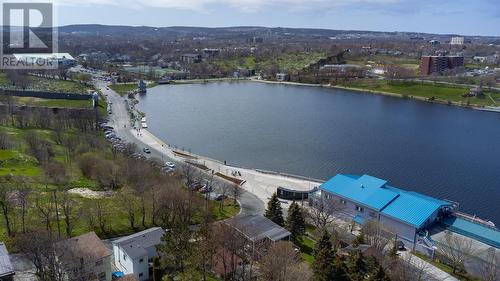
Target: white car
{"x": 170, "y": 165}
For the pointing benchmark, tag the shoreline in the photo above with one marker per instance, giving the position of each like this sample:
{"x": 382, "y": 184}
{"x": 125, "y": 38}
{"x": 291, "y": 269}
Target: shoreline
{"x": 376, "y": 92}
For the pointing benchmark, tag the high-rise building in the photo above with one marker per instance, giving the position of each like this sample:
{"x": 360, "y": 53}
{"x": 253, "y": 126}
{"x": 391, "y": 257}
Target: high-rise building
{"x": 436, "y": 64}
{"x": 457, "y": 41}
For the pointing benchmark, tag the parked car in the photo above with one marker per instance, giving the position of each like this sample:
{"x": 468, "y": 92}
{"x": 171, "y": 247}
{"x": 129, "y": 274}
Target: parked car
{"x": 170, "y": 165}
{"x": 146, "y": 150}
{"x": 400, "y": 245}
{"x": 220, "y": 197}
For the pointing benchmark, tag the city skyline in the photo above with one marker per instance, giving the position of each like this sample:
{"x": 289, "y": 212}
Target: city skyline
{"x": 447, "y": 17}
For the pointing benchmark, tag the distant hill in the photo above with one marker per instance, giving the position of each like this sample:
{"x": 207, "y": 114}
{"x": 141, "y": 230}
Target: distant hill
{"x": 239, "y": 31}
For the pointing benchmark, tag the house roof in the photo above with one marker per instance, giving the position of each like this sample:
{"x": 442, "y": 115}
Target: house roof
{"x": 409, "y": 207}
{"x": 6, "y": 268}
{"x": 257, "y": 227}
{"x": 88, "y": 244}
{"x": 135, "y": 245}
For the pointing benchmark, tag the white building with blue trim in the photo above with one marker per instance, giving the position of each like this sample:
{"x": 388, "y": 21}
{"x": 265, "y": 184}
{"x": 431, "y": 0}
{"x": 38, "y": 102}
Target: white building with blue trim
{"x": 369, "y": 198}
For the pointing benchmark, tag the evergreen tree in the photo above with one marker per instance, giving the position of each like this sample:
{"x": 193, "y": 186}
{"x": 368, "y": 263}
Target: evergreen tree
{"x": 356, "y": 267}
{"x": 323, "y": 243}
{"x": 323, "y": 265}
{"x": 339, "y": 268}
{"x": 295, "y": 221}
{"x": 274, "y": 211}
{"x": 360, "y": 239}
{"x": 378, "y": 275}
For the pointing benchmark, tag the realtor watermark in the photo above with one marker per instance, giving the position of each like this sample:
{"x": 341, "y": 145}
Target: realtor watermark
{"x": 29, "y": 37}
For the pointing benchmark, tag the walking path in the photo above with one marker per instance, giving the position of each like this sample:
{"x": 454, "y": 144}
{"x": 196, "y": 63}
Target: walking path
{"x": 259, "y": 184}
{"x": 427, "y": 270}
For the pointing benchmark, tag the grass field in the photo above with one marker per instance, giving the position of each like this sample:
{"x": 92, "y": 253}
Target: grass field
{"x": 123, "y": 88}
{"x": 439, "y": 92}
{"x": 47, "y": 84}
{"x": 287, "y": 62}
{"x": 53, "y": 102}
{"x": 17, "y": 161}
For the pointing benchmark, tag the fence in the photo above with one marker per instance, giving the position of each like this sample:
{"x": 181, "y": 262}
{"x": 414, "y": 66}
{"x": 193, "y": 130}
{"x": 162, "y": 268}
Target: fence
{"x": 45, "y": 94}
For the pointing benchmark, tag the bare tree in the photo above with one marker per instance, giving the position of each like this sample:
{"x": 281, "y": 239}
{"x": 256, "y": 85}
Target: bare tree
{"x": 236, "y": 192}
{"x": 68, "y": 205}
{"x": 456, "y": 250}
{"x": 408, "y": 268}
{"x": 23, "y": 199}
{"x": 46, "y": 211}
{"x": 490, "y": 266}
{"x": 279, "y": 262}
{"x": 131, "y": 207}
{"x": 323, "y": 211}
{"x": 39, "y": 248}
{"x": 189, "y": 173}
{"x": 377, "y": 235}
{"x": 6, "y": 204}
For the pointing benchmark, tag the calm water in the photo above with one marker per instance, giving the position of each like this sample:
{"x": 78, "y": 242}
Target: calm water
{"x": 443, "y": 151}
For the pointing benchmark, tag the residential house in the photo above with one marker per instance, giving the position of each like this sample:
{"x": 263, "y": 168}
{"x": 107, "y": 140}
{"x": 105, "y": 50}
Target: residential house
{"x": 259, "y": 232}
{"x": 134, "y": 254}
{"x": 191, "y": 58}
{"x": 6, "y": 268}
{"x": 88, "y": 256}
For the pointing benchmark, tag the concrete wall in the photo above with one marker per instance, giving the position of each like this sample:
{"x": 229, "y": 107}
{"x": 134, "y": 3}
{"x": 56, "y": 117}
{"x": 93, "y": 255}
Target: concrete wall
{"x": 46, "y": 95}
{"x": 131, "y": 266}
{"x": 401, "y": 229}
{"x": 122, "y": 261}
{"x": 350, "y": 207}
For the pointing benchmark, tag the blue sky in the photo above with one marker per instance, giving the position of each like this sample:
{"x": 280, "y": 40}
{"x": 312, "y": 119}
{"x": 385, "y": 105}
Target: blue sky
{"x": 467, "y": 17}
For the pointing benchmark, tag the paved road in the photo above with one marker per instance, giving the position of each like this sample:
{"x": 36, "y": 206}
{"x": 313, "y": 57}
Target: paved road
{"x": 120, "y": 121}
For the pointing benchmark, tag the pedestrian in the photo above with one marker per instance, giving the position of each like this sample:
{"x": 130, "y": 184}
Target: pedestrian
{"x": 224, "y": 162}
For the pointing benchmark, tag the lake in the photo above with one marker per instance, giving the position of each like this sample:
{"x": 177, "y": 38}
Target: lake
{"x": 443, "y": 151}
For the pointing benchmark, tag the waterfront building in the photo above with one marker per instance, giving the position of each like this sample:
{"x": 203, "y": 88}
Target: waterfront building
{"x": 365, "y": 198}
{"x": 437, "y": 64}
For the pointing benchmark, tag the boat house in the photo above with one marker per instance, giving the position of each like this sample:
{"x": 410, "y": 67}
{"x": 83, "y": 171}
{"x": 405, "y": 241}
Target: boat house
{"x": 365, "y": 198}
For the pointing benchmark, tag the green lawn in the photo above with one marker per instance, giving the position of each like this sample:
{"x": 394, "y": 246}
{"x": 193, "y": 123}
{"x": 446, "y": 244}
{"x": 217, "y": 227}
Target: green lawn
{"x": 306, "y": 246}
{"x": 48, "y": 84}
{"x": 446, "y": 268}
{"x": 123, "y": 88}
{"x": 424, "y": 90}
{"x": 17, "y": 163}
{"x": 61, "y": 103}
{"x": 229, "y": 210}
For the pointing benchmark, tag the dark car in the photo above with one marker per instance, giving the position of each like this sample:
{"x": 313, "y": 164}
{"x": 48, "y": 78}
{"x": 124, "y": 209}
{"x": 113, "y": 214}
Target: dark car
{"x": 400, "y": 245}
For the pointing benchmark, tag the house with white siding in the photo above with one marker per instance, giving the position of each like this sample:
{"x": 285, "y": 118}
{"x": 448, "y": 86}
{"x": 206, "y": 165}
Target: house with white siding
{"x": 134, "y": 254}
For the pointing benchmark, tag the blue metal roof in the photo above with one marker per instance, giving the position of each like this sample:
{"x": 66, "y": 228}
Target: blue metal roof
{"x": 487, "y": 235}
{"x": 366, "y": 190}
{"x": 407, "y": 206}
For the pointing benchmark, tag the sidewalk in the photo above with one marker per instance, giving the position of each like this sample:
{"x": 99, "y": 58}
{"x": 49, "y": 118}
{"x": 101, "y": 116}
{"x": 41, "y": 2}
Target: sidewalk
{"x": 263, "y": 185}
{"x": 429, "y": 271}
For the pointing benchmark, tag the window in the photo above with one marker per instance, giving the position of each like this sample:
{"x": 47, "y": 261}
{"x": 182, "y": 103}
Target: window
{"x": 141, "y": 260}
{"x": 140, "y": 274}
{"x": 359, "y": 208}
